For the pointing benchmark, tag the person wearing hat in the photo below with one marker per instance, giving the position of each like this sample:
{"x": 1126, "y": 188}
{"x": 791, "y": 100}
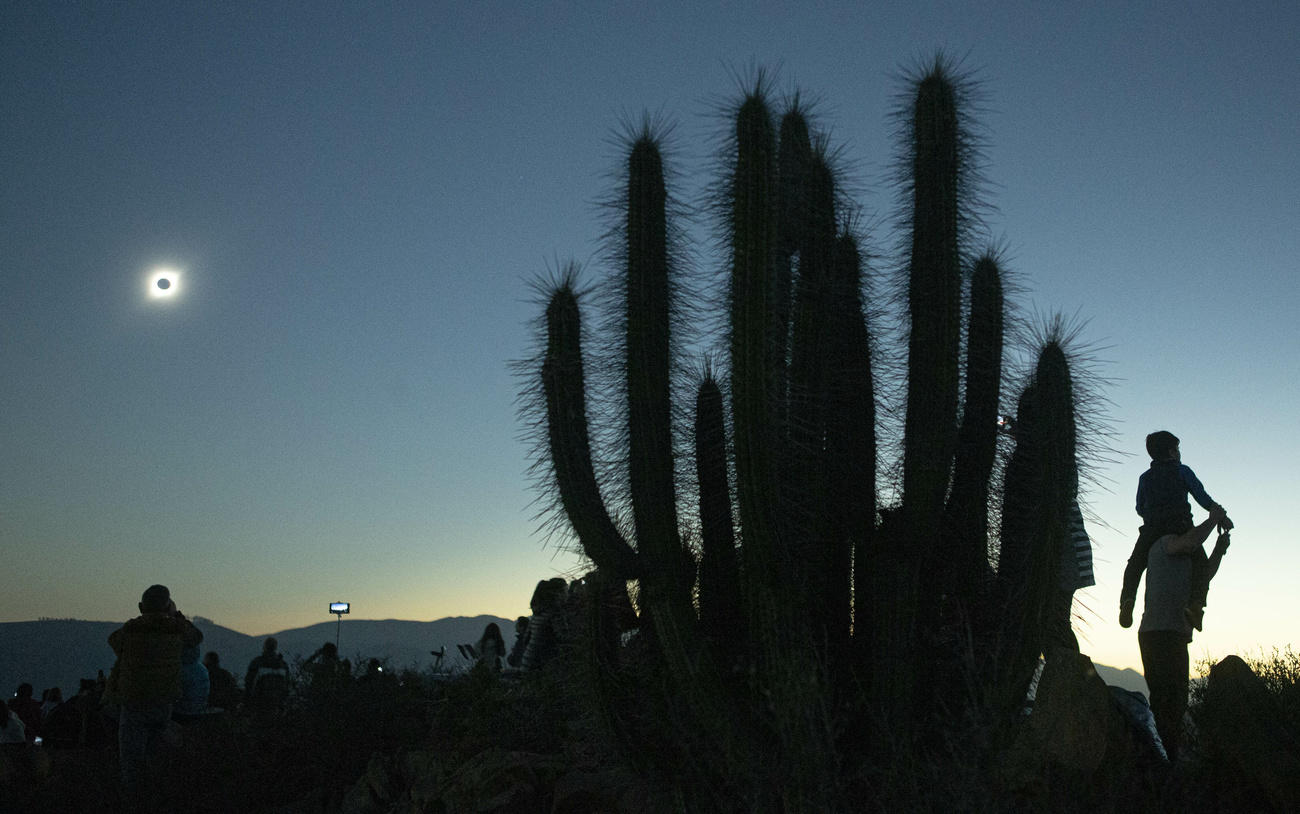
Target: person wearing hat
{"x": 146, "y": 680}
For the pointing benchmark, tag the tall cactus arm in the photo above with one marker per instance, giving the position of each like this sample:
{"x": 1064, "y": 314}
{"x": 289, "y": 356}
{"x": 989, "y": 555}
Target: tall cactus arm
{"x": 934, "y": 302}
{"x": 1041, "y": 483}
{"x": 967, "y": 516}
{"x": 719, "y": 575}
{"x": 752, "y": 228}
{"x": 570, "y": 447}
{"x": 794, "y": 157}
{"x": 650, "y": 461}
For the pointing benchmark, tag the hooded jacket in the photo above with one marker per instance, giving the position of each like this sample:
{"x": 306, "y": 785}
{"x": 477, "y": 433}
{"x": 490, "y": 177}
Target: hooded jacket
{"x": 148, "y": 652}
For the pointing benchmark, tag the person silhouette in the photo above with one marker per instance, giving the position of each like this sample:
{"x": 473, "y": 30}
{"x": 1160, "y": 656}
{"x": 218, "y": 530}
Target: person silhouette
{"x": 491, "y": 648}
{"x": 146, "y": 682}
{"x": 266, "y": 683}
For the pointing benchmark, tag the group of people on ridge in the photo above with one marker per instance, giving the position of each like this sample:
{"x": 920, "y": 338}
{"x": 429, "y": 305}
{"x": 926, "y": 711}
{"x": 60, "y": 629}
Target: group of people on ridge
{"x": 158, "y": 676}
{"x": 537, "y": 637}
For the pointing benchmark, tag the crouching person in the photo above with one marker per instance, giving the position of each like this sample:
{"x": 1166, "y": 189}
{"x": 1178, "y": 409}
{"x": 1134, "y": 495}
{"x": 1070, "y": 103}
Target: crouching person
{"x": 146, "y": 681}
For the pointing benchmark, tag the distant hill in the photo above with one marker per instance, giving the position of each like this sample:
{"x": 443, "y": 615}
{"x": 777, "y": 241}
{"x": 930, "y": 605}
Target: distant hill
{"x": 59, "y": 652}
{"x": 56, "y": 653}
{"x": 1126, "y": 678}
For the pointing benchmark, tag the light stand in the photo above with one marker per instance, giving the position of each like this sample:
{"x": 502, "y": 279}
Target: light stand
{"x": 338, "y": 609}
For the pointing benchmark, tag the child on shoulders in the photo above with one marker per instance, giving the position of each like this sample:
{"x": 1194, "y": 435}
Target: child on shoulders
{"x": 1162, "y": 503}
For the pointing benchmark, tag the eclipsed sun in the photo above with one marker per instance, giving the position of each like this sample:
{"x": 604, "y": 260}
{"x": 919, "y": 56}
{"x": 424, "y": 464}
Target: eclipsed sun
{"x": 164, "y": 284}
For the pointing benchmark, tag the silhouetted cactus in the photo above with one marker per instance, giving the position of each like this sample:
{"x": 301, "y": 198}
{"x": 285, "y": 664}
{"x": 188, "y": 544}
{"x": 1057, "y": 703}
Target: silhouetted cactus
{"x": 564, "y": 390}
{"x": 822, "y": 602}
{"x": 720, "y": 612}
{"x": 1041, "y": 480}
{"x": 964, "y": 554}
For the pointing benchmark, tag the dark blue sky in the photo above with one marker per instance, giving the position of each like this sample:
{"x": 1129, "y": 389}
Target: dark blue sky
{"x": 355, "y": 198}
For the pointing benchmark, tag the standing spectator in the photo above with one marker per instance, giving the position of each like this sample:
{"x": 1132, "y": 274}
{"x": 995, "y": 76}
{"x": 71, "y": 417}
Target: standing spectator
{"x": 50, "y": 701}
{"x": 325, "y": 669}
{"x": 223, "y": 692}
{"x": 92, "y": 723}
{"x": 516, "y": 657}
{"x": 1165, "y": 630}
{"x": 146, "y": 681}
{"x": 543, "y": 642}
{"x": 491, "y": 648}
{"x": 266, "y": 684}
{"x": 195, "y": 684}
{"x": 11, "y": 727}
{"x": 28, "y": 710}
{"x": 61, "y": 725}
{"x": 1075, "y": 572}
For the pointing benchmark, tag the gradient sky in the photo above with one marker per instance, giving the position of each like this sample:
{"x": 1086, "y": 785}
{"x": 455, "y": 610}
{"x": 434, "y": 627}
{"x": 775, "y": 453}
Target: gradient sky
{"x": 356, "y": 196}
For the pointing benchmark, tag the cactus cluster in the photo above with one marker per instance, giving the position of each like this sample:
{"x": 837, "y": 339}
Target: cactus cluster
{"x": 796, "y": 614}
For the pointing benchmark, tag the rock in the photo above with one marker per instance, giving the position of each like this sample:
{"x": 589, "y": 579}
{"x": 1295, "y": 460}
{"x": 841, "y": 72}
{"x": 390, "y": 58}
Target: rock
{"x": 359, "y": 800}
{"x": 497, "y": 780}
{"x": 376, "y": 778}
{"x": 369, "y": 795}
{"x": 1077, "y": 745}
{"x": 1241, "y": 725}
{"x": 612, "y": 790}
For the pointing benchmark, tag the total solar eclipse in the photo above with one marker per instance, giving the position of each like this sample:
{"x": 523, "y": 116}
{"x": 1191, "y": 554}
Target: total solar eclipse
{"x": 164, "y": 284}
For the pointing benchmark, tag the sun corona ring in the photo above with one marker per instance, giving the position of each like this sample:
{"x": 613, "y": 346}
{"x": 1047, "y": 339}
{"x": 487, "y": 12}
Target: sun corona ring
{"x": 163, "y": 283}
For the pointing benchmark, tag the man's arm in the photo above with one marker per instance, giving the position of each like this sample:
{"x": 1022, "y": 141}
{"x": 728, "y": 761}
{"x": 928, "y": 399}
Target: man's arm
{"x": 1216, "y": 556}
{"x": 1186, "y": 543}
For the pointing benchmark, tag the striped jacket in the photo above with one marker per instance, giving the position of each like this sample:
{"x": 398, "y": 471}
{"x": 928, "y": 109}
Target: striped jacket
{"x": 1076, "y": 554}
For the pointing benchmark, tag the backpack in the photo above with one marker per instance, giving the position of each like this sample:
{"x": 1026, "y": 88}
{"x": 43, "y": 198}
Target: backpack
{"x": 270, "y": 685}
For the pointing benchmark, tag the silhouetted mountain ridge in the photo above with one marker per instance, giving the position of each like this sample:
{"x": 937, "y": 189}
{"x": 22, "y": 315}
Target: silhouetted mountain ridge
{"x": 58, "y": 652}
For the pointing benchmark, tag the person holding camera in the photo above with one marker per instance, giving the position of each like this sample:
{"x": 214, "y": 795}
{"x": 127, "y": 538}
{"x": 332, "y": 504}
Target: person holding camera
{"x": 146, "y": 680}
{"x": 326, "y": 669}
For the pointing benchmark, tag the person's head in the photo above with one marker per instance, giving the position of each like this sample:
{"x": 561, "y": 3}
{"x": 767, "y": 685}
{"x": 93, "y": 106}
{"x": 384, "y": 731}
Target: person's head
{"x": 521, "y": 624}
{"x": 1162, "y": 445}
{"x": 547, "y": 595}
{"x": 492, "y": 631}
{"x": 156, "y": 599}
{"x": 211, "y": 660}
{"x": 25, "y": 690}
{"x": 268, "y": 646}
{"x": 329, "y": 650}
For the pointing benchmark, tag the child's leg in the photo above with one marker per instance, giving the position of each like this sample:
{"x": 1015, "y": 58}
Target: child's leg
{"x": 1137, "y": 563}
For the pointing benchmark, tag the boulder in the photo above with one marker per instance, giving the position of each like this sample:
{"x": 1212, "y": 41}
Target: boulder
{"x": 1076, "y": 745}
{"x": 612, "y": 790}
{"x": 372, "y": 793}
{"x": 497, "y": 780}
{"x": 1240, "y": 725}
